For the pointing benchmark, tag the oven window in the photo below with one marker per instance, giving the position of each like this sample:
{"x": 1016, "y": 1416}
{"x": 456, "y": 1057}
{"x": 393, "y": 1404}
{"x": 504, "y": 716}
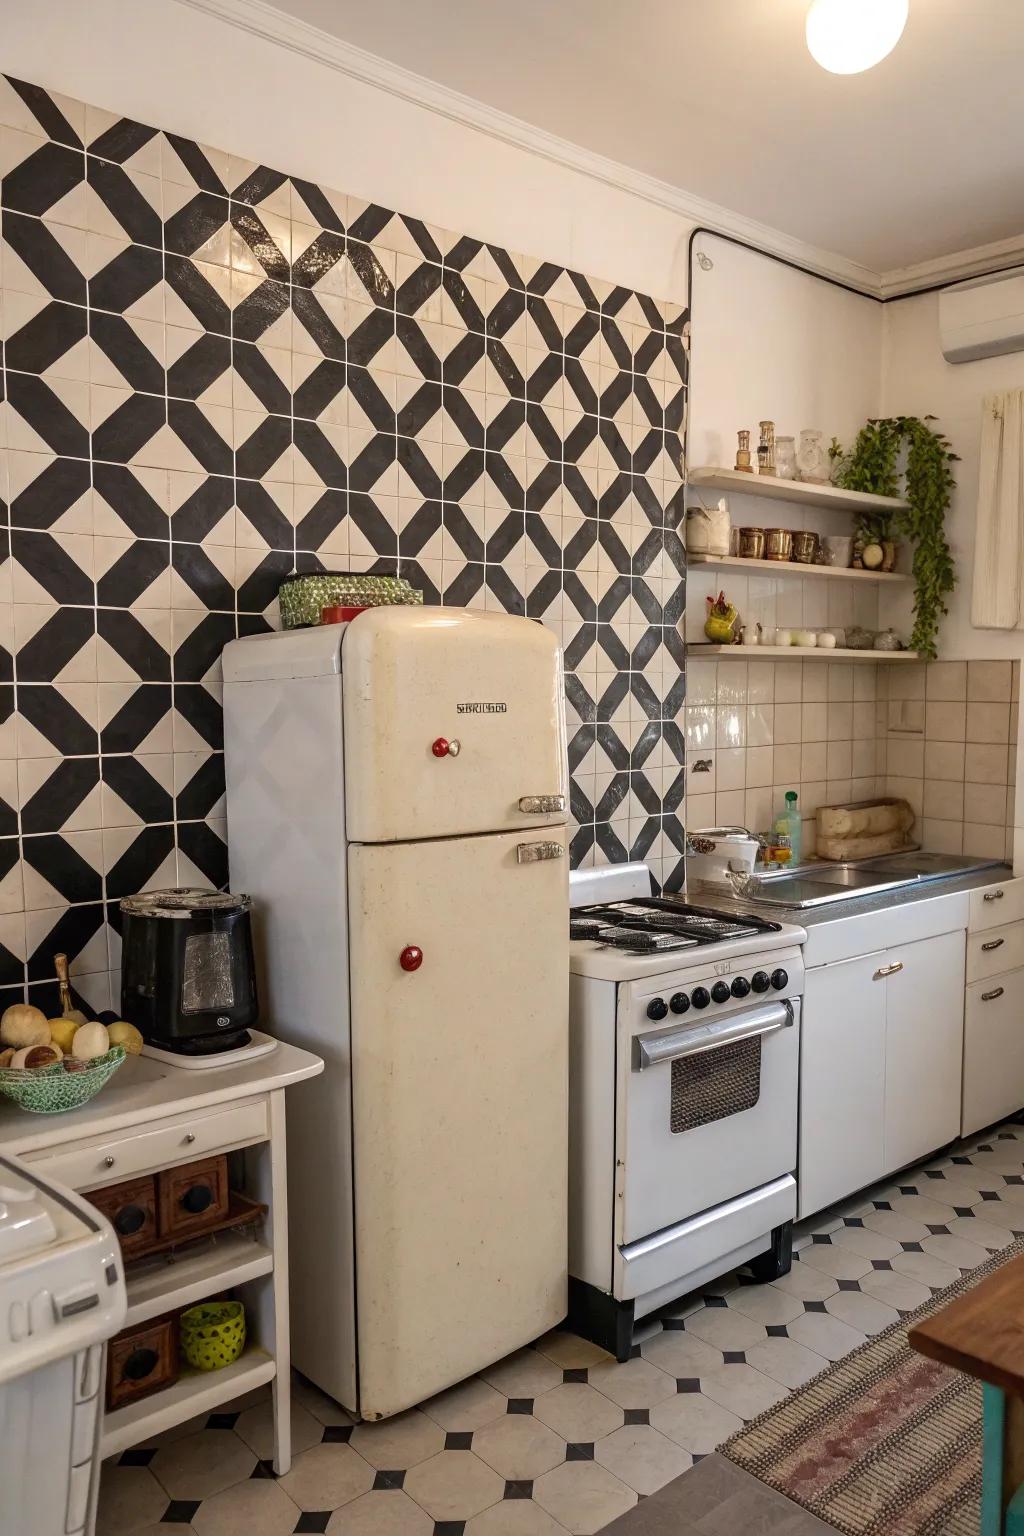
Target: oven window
{"x": 715, "y": 1084}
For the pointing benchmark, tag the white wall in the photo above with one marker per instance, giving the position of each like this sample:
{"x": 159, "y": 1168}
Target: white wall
{"x": 918, "y": 381}
{"x": 179, "y": 69}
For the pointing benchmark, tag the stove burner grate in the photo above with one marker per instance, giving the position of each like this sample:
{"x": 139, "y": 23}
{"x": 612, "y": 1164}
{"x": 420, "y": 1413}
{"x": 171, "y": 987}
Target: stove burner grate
{"x": 643, "y": 927}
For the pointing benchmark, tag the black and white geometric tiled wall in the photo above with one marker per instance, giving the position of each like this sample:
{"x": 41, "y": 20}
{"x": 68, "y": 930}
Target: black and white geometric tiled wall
{"x": 213, "y": 375}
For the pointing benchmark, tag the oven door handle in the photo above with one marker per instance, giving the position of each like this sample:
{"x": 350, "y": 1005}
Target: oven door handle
{"x": 654, "y": 1049}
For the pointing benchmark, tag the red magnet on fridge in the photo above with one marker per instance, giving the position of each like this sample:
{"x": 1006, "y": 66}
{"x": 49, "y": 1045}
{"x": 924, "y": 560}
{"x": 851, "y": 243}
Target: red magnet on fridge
{"x": 411, "y": 958}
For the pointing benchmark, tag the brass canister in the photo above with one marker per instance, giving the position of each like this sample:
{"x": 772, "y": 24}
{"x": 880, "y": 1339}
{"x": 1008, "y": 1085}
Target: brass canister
{"x": 805, "y": 547}
{"x": 752, "y": 543}
{"x": 778, "y": 544}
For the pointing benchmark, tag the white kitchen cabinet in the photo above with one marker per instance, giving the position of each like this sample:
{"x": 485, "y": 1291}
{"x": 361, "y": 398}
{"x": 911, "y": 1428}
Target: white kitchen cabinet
{"x": 923, "y": 1046}
{"x": 842, "y": 1081}
{"x": 880, "y": 1071}
{"x": 993, "y": 1050}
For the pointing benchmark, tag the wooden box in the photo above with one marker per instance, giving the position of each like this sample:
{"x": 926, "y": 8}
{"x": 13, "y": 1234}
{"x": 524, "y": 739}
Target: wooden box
{"x": 142, "y": 1360}
{"x": 130, "y": 1208}
{"x": 193, "y": 1198}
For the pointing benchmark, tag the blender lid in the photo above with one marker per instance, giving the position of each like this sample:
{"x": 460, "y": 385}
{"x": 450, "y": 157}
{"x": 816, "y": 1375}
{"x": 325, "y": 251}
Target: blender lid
{"x": 182, "y": 902}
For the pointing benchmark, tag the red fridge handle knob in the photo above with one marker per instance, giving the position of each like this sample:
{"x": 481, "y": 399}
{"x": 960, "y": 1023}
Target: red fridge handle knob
{"x": 411, "y": 958}
{"x": 440, "y": 747}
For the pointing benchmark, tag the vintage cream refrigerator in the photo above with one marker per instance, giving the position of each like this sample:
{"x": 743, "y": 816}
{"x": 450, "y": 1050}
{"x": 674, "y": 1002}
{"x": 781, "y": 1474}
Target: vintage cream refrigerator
{"x": 396, "y": 794}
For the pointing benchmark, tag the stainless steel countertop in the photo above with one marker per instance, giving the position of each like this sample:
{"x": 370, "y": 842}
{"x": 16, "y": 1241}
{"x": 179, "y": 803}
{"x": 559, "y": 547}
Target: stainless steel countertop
{"x": 853, "y": 906}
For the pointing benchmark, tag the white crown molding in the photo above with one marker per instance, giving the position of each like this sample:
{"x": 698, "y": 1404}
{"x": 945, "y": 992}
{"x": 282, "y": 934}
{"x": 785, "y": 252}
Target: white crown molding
{"x": 285, "y": 31}
{"x": 265, "y": 21}
{"x": 955, "y": 268}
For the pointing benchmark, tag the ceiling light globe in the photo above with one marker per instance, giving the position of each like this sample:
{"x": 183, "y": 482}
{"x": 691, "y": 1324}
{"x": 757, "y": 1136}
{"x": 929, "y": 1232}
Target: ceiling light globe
{"x": 848, "y": 36}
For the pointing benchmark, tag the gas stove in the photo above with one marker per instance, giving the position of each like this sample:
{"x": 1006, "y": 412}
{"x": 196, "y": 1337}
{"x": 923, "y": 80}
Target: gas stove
{"x": 684, "y": 1028}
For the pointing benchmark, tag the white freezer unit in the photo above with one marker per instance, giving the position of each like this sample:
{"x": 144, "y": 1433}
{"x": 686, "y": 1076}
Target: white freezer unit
{"x": 396, "y": 808}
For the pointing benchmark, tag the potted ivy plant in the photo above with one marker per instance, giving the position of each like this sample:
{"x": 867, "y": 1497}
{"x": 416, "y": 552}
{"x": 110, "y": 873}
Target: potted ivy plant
{"x": 873, "y": 465}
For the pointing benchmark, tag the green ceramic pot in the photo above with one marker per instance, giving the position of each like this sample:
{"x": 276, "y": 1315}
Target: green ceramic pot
{"x": 304, "y": 597}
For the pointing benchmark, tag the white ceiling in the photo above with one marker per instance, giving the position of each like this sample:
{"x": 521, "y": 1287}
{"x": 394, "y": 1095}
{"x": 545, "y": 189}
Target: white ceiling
{"x": 917, "y": 158}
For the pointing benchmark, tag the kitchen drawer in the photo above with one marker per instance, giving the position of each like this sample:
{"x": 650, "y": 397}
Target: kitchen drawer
{"x": 993, "y": 1084}
{"x": 163, "y": 1145}
{"x": 193, "y": 1198}
{"x": 131, "y": 1210}
{"x": 994, "y": 950}
{"x": 999, "y": 903}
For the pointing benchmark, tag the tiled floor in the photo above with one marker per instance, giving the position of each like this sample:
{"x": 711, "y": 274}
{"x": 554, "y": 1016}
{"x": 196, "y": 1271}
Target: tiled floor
{"x": 559, "y": 1437}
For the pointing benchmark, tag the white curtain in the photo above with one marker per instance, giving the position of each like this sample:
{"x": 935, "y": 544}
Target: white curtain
{"x": 997, "y": 596}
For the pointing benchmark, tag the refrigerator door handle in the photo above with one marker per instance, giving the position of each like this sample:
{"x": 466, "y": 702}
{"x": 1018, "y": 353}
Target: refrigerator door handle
{"x": 536, "y": 805}
{"x": 533, "y": 853}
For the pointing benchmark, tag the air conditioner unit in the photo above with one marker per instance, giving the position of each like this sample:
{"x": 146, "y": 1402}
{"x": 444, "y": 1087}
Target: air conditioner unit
{"x": 983, "y": 317}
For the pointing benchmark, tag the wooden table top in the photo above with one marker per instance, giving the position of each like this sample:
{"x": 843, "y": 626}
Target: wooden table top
{"x": 981, "y": 1333}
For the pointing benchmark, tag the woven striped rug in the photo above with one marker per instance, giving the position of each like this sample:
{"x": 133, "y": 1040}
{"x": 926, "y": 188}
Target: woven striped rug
{"x": 883, "y": 1442}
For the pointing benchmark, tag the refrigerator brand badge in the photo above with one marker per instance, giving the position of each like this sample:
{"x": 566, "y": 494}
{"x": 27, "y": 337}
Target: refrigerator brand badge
{"x": 491, "y": 708}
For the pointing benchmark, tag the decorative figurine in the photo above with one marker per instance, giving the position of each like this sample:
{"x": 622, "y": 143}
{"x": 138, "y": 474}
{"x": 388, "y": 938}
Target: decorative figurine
{"x": 766, "y": 449}
{"x": 720, "y": 624}
{"x": 812, "y": 457}
{"x": 743, "y": 453}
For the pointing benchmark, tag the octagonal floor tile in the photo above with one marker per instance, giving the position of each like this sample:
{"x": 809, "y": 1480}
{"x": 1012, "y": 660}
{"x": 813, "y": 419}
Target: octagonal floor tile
{"x": 130, "y": 1498}
{"x": 382, "y": 1512}
{"x": 519, "y": 1446}
{"x": 642, "y": 1457}
{"x": 202, "y": 1464}
{"x": 398, "y": 1443}
{"x": 635, "y": 1384}
{"x": 327, "y": 1476}
{"x": 583, "y": 1496}
{"x": 257, "y": 1507}
{"x": 695, "y": 1422}
{"x": 454, "y": 1485}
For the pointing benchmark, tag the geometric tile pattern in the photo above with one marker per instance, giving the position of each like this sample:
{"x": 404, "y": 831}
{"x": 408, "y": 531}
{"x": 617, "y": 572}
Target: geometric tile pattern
{"x": 561, "y": 1437}
{"x": 214, "y": 375}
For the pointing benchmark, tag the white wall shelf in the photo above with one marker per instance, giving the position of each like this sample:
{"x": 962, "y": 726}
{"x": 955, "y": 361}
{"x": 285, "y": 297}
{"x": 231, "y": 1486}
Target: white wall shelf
{"x": 797, "y": 491}
{"x": 793, "y": 653}
{"x": 167, "y": 1285}
{"x": 190, "y": 1395}
{"x": 792, "y": 568}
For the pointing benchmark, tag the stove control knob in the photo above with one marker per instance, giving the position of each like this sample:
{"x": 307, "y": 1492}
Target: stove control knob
{"x": 760, "y": 981}
{"x": 720, "y": 992}
{"x": 741, "y": 987}
{"x": 780, "y": 979}
{"x": 700, "y": 997}
{"x": 680, "y": 1003}
{"x": 657, "y": 1008}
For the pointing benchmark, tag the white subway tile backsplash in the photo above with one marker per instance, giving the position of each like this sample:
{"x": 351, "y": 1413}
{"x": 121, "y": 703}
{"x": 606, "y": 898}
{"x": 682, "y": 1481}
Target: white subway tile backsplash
{"x": 948, "y": 722}
{"x": 985, "y": 803}
{"x": 730, "y": 768}
{"x": 812, "y": 760}
{"x": 984, "y": 841}
{"x": 759, "y": 766}
{"x": 760, "y": 725}
{"x": 945, "y": 760}
{"x": 839, "y": 760}
{"x": 787, "y": 723}
{"x": 987, "y": 722}
{"x": 789, "y": 680}
{"x": 814, "y": 722}
{"x": 944, "y": 799}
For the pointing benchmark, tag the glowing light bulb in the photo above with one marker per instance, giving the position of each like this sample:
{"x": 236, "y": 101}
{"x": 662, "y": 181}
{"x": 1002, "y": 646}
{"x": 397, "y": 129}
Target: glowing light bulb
{"x": 848, "y": 36}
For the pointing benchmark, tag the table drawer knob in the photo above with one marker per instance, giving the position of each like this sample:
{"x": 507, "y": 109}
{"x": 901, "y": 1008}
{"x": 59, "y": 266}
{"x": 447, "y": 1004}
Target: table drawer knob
{"x": 108, "y": 1161}
{"x": 994, "y": 944}
{"x": 190, "y": 1138}
{"x": 987, "y": 997}
{"x": 993, "y": 896}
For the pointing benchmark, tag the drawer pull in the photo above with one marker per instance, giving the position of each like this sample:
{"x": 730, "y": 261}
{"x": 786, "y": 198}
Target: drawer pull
{"x": 108, "y": 1161}
{"x": 888, "y": 970}
{"x": 987, "y": 997}
{"x": 129, "y": 1219}
{"x": 191, "y": 1136}
{"x": 139, "y": 1364}
{"x": 197, "y": 1199}
{"x": 993, "y": 896}
{"x": 994, "y": 944}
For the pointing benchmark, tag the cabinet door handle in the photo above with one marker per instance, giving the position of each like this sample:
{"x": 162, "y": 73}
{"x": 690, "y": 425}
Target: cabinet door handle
{"x": 994, "y": 944}
{"x": 993, "y": 896}
{"x": 887, "y": 970}
{"x": 536, "y": 805}
{"x": 987, "y": 997}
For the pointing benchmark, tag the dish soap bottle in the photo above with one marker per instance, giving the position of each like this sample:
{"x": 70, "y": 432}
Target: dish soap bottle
{"x": 788, "y": 824}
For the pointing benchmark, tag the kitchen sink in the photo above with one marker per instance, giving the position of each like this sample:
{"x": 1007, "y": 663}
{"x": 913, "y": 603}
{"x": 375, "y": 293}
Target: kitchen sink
{"x": 814, "y": 884}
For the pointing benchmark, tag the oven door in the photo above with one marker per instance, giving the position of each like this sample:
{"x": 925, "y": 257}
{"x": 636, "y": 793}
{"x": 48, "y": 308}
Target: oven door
{"x": 707, "y": 1108}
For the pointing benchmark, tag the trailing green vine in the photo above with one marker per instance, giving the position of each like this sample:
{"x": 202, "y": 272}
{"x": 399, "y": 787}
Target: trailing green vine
{"x": 872, "y": 466}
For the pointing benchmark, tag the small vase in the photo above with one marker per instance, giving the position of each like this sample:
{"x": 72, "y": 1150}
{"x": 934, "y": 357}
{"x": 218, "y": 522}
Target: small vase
{"x": 785, "y": 458}
{"x": 811, "y": 457}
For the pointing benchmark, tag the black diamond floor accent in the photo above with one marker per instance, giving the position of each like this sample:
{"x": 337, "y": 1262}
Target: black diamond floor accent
{"x": 734, "y": 1357}
{"x": 963, "y": 1210}
{"x": 912, "y": 1248}
{"x": 574, "y": 1375}
{"x": 881, "y": 1205}
{"x": 140, "y": 1457}
{"x": 687, "y": 1384}
{"x": 820, "y": 1238}
{"x": 458, "y": 1440}
{"x": 314, "y": 1520}
{"x": 518, "y": 1488}
{"x": 853, "y": 1221}
{"x": 937, "y": 1229}
{"x": 673, "y": 1324}
{"x": 908, "y": 1189}
{"x": 989, "y": 1194}
{"x": 222, "y": 1420}
{"x": 336, "y": 1434}
{"x": 263, "y": 1469}
{"x": 715, "y": 1301}
{"x": 520, "y": 1405}
{"x": 449, "y": 1527}
{"x": 961, "y": 1160}
{"x": 848, "y": 1285}
{"x": 389, "y": 1479}
{"x": 880, "y": 1264}
{"x": 637, "y": 1416}
{"x": 180, "y": 1512}
{"x": 814, "y": 1306}
{"x": 1015, "y": 1178}
{"x": 934, "y": 1173}
{"x": 582, "y": 1451}
{"x": 777, "y": 1331}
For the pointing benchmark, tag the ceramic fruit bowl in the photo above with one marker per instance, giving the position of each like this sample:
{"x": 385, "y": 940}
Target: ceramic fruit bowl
{"x": 53, "y": 1090}
{"x": 213, "y": 1334}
